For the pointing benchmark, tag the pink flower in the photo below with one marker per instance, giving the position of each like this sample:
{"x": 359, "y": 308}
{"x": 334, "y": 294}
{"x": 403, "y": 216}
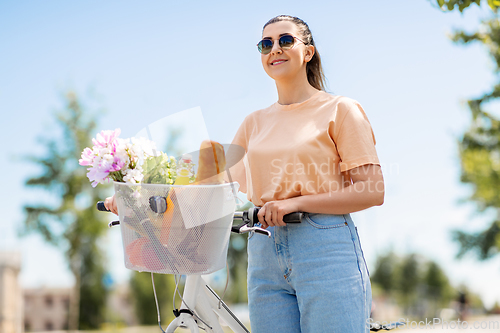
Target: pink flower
{"x": 119, "y": 163}
{"x": 97, "y": 175}
{"x": 113, "y": 158}
{"x": 106, "y": 138}
{"x": 87, "y": 157}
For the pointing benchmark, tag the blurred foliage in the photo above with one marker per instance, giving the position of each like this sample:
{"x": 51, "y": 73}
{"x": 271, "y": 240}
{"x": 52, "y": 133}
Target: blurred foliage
{"x": 461, "y": 5}
{"x": 495, "y": 309}
{"x": 384, "y": 274}
{"x": 410, "y": 276}
{"x": 419, "y": 286}
{"x": 438, "y": 284}
{"x": 71, "y": 222}
{"x": 237, "y": 260}
{"x": 479, "y": 147}
{"x": 479, "y": 150}
{"x": 141, "y": 289}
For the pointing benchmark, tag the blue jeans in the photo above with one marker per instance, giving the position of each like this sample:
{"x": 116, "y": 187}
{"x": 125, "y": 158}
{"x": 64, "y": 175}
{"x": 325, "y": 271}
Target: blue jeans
{"x": 309, "y": 277}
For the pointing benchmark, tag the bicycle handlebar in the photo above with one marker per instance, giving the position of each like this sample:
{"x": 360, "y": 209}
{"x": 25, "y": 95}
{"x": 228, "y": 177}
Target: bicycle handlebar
{"x": 100, "y": 206}
{"x": 251, "y": 214}
{"x": 249, "y": 217}
{"x": 158, "y": 204}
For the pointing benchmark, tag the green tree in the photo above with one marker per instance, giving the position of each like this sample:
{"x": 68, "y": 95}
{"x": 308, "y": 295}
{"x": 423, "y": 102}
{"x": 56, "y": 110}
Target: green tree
{"x": 495, "y": 309}
{"x": 143, "y": 297}
{"x": 420, "y": 286}
{"x": 480, "y": 151}
{"x": 437, "y": 283}
{"x": 438, "y": 289}
{"x": 461, "y": 5}
{"x": 479, "y": 147}
{"x": 71, "y": 222}
{"x": 409, "y": 278}
{"x": 385, "y": 272}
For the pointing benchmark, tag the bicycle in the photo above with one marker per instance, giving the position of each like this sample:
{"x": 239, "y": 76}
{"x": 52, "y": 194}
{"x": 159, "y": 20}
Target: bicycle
{"x": 192, "y": 214}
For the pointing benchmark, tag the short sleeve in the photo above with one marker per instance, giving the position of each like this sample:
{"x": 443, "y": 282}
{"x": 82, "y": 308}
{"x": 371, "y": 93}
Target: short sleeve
{"x": 237, "y": 172}
{"x": 353, "y": 136}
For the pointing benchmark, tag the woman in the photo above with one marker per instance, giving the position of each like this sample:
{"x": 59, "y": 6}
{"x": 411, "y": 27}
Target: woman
{"x": 315, "y": 153}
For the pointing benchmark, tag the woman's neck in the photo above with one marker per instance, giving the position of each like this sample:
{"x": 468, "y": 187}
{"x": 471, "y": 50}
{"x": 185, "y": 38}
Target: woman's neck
{"x": 290, "y": 92}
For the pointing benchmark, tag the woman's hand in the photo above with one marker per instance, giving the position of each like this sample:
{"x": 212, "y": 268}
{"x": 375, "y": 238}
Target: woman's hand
{"x": 271, "y": 214}
{"x": 110, "y": 204}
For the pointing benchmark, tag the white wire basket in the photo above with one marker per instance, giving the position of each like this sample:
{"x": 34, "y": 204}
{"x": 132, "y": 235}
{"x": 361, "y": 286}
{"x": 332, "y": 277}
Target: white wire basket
{"x": 176, "y": 229}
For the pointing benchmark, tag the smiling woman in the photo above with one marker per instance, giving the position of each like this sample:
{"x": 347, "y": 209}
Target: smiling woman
{"x": 311, "y": 277}
{"x": 287, "y": 40}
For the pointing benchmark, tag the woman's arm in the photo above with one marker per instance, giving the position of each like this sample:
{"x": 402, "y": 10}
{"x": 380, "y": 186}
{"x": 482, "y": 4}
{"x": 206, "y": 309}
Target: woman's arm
{"x": 367, "y": 190}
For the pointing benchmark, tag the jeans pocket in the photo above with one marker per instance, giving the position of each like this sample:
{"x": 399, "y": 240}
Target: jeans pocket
{"x": 326, "y": 221}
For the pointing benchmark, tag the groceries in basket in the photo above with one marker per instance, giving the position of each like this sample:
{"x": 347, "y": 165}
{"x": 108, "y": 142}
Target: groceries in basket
{"x": 166, "y": 228}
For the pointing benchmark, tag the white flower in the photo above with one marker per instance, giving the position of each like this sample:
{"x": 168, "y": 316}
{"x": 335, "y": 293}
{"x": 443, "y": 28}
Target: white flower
{"x": 133, "y": 176}
{"x": 104, "y": 151}
{"x": 97, "y": 161}
{"x": 144, "y": 147}
{"x": 108, "y": 158}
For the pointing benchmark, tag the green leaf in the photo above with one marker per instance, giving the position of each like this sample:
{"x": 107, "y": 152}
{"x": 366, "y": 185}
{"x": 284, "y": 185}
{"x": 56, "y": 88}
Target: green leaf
{"x": 464, "y": 4}
{"x": 494, "y": 4}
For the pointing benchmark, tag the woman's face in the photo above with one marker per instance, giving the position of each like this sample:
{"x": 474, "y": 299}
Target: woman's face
{"x": 282, "y": 64}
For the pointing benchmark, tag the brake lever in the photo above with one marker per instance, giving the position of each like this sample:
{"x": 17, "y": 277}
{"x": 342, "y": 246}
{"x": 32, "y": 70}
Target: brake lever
{"x": 113, "y": 223}
{"x": 246, "y": 228}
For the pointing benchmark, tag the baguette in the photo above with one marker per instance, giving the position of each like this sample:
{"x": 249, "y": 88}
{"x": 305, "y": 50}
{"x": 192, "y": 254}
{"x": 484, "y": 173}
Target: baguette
{"x": 211, "y": 163}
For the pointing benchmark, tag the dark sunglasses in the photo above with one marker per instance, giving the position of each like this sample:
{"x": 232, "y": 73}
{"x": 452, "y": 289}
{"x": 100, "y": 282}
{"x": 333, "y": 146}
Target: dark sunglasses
{"x": 286, "y": 42}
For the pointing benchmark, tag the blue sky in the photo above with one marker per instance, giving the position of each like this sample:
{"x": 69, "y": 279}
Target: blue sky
{"x": 143, "y": 61}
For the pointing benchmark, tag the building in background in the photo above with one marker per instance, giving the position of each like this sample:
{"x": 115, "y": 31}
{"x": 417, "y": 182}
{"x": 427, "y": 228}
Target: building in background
{"x": 46, "y": 309}
{"x": 11, "y": 301}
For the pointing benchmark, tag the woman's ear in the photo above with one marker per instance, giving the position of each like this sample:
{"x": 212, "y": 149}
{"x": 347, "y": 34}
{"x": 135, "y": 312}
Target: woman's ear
{"x": 309, "y": 53}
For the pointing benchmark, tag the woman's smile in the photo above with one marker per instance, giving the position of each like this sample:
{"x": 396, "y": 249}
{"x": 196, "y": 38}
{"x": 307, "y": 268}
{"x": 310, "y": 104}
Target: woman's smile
{"x": 278, "y": 62}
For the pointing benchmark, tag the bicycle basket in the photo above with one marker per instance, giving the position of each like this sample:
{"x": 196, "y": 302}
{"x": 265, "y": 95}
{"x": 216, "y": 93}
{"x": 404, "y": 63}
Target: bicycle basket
{"x": 188, "y": 235}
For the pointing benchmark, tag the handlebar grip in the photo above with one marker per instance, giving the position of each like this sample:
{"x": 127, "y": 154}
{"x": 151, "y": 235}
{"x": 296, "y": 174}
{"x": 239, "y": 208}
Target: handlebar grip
{"x": 100, "y": 206}
{"x": 295, "y": 217}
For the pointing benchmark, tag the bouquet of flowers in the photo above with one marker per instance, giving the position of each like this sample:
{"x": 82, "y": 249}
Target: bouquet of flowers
{"x": 131, "y": 161}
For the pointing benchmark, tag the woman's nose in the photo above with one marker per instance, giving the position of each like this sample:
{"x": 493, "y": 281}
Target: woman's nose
{"x": 276, "y": 48}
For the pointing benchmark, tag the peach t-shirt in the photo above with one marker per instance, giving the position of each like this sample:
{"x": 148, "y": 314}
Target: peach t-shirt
{"x": 303, "y": 148}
